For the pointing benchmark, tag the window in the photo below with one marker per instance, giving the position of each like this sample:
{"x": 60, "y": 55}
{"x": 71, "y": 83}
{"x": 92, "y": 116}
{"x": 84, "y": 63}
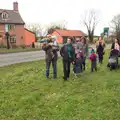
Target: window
{"x": 11, "y": 26}
{"x": 13, "y": 39}
{"x": 4, "y": 16}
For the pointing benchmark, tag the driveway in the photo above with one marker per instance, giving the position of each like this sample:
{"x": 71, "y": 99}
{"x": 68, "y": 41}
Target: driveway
{"x": 12, "y": 58}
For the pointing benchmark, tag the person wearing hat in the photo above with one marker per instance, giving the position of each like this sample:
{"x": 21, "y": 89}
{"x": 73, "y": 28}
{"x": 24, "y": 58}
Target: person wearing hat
{"x": 93, "y": 58}
{"x": 51, "y": 57}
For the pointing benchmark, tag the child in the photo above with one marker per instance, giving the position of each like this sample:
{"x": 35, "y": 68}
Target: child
{"x": 93, "y": 58}
{"x": 78, "y": 62}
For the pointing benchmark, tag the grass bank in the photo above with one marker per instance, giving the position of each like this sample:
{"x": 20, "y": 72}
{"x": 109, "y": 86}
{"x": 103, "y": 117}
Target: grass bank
{"x": 25, "y": 94}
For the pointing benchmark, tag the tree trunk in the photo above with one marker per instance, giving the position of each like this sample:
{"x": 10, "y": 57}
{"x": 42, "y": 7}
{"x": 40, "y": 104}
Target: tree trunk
{"x": 90, "y": 35}
{"x": 8, "y": 45}
{"x": 118, "y": 34}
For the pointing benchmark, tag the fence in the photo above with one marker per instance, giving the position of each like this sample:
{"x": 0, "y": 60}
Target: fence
{"x": 38, "y": 45}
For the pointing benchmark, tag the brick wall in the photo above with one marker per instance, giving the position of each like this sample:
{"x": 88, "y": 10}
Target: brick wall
{"x": 18, "y": 31}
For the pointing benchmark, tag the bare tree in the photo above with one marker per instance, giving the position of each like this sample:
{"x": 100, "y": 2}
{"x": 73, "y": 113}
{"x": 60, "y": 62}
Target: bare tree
{"x": 59, "y": 25}
{"x": 115, "y": 25}
{"x": 37, "y": 28}
{"x": 90, "y": 20}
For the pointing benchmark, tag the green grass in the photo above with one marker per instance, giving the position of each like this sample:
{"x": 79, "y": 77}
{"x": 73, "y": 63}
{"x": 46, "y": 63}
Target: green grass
{"x": 5, "y": 50}
{"x": 25, "y": 94}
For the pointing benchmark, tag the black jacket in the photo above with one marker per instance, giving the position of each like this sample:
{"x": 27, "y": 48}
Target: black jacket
{"x": 64, "y": 53}
{"x": 100, "y": 49}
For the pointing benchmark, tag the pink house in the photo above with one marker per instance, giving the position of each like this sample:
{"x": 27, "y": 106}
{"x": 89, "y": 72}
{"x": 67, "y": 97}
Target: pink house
{"x": 62, "y": 35}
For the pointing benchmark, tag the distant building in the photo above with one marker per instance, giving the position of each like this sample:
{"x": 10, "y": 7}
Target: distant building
{"x": 11, "y": 21}
{"x": 62, "y": 35}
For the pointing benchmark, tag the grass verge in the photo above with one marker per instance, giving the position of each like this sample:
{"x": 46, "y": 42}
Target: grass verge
{"x": 25, "y": 94}
{"x": 4, "y": 50}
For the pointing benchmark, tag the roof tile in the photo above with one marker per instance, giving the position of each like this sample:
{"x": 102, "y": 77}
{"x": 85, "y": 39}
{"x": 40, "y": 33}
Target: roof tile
{"x": 14, "y": 17}
{"x": 70, "y": 33}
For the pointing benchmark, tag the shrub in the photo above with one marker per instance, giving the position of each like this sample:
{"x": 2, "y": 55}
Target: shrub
{"x": 23, "y": 46}
{"x": 14, "y": 46}
{"x": 2, "y": 45}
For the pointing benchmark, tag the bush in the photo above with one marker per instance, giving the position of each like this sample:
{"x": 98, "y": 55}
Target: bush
{"x": 2, "y": 46}
{"x": 14, "y": 46}
{"x": 23, "y": 46}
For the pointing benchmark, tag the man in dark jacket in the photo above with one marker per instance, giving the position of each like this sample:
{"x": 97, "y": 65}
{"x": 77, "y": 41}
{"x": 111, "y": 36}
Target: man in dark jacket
{"x": 68, "y": 54}
{"x": 51, "y": 57}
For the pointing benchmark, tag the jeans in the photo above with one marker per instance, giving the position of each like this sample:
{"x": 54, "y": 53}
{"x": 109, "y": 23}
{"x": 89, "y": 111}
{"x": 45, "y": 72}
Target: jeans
{"x": 54, "y": 65}
{"x": 100, "y": 58}
{"x": 66, "y": 67}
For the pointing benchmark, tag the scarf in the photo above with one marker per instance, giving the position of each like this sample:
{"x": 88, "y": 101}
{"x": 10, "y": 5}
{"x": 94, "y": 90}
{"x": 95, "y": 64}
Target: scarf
{"x": 69, "y": 50}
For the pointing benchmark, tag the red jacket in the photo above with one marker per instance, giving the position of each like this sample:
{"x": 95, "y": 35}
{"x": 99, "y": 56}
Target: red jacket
{"x": 93, "y": 57}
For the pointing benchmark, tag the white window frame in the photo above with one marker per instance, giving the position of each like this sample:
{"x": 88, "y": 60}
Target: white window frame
{"x": 13, "y": 39}
{"x": 12, "y": 27}
{"x": 4, "y": 16}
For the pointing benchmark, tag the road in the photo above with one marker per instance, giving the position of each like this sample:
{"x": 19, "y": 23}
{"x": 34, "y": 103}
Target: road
{"x": 12, "y": 58}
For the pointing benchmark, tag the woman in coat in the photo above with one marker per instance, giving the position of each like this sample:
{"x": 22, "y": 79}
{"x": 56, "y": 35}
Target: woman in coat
{"x": 116, "y": 45}
{"x": 100, "y": 49}
{"x": 68, "y": 54}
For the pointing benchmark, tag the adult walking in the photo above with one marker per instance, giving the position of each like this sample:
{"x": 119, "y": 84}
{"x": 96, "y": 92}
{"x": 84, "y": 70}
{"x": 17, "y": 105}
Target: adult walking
{"x": 85, "y": 51}
{"x": 51, "y": 57}
{"x": 100, "y": 49}
{"x": 68, "y": 54}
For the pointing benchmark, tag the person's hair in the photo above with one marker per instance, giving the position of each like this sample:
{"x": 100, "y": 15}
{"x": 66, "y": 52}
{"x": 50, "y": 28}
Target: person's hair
{"x": 117, "y": 40}
{"x": 70, "y": 38}
{"x": 100, "y": 37}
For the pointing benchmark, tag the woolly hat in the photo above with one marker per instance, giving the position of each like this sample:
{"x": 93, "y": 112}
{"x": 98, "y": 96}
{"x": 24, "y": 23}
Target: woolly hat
{"x": 92, "y": 51}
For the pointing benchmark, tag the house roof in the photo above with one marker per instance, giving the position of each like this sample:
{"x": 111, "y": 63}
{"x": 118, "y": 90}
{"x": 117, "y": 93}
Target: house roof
{"x": 70, "y": 33}
{"x": 14, "y": 17}
{"x": 28, "y": 30}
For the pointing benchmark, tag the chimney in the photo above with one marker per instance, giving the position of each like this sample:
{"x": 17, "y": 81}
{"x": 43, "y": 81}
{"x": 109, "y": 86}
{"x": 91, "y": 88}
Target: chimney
{"x": 15, "y": 6}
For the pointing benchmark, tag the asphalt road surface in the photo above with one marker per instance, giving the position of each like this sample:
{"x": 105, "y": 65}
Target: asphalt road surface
{"x": 12, "y": 58}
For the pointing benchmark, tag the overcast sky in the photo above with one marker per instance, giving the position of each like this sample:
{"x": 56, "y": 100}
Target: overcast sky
{"x": 47, "y": 11}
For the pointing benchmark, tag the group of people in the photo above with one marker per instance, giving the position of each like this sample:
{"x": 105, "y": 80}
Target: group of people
{"x": 74, "y": 54}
